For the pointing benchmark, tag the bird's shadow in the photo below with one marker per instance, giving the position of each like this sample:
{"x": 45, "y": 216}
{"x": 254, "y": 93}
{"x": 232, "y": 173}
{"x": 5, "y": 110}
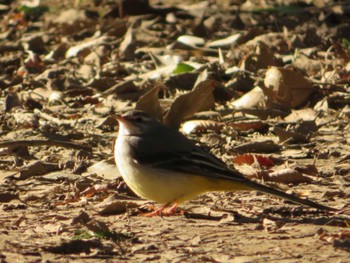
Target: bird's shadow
{"x": 283, "y": 215}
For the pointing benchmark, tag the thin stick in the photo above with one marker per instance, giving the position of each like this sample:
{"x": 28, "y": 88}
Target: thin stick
{"x": 14, "y": 144}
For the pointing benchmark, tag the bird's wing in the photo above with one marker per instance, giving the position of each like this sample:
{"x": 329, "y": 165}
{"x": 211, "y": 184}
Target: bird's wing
{"x": 201, "y": 163}
{"x": 197, "y": 162}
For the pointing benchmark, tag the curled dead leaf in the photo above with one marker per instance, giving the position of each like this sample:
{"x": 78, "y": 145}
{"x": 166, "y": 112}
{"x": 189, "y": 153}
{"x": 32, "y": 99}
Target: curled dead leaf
{"x": 255, "y": 125}
{"x": 309, "y": 169}
{"x": 252, "y": 99}
{"x": 286, "y": 176}
{"x": 184, "y": 106}
{"x": 149, "y": 103}
{"x": 290, "y": 136}
{"x": 259, "y": 147}
{"x": 287, "y": 87}
{"x": 116, "y": 204}
{"x": 260, "y": 58}
{"x": 272, "y": 226}
{"x": 263, "y": 161}
{"x": 199, "y": 126}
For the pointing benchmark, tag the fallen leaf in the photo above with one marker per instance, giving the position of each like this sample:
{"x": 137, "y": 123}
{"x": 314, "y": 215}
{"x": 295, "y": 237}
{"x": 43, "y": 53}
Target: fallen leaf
{"x": 12, "y": 100}
{"x": 228, "y": 41}
{"x": 286, "y": 176}
{"x": 251, "y": 159}
{"x": 128, "y": 45}
{"x": 252, "y": 99}
{"x": 255, "y": 125}
{"x": 116, "y": 204}
{"x": 184, "y": 106}
{"x": 191, "y": 41}
{"x": 199, "y": 126}
{"x": 266, "y": 146}
{"x": 149, "y": 103}
{"x": 36, "y": 168}
{"x": 287, "y": 87}
{"x": 84, "y": 48}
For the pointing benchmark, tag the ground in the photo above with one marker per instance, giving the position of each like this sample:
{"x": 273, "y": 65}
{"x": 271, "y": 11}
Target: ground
{"x": 264, "y": 85}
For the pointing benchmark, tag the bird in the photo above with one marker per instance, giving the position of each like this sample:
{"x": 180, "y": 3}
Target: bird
{"x": 161, "y": 164}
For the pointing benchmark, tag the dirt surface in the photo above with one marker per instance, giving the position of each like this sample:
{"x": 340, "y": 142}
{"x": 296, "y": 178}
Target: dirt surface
{"x": 264, "y": 86}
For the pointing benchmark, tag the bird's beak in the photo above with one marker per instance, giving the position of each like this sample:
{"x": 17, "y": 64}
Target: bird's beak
{"x": 125, "y": 126}
{"x": 119, "y": 118}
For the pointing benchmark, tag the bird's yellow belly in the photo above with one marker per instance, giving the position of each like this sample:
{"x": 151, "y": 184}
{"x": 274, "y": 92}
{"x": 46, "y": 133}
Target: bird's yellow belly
{"x": 161, "y": 186}
{"x": 167, "y": 186}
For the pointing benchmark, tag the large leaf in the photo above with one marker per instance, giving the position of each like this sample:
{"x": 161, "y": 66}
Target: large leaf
{"x": 184, "y": 106}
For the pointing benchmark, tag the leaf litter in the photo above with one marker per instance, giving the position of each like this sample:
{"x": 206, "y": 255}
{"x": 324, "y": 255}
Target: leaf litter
{"x": 264, "y": 86}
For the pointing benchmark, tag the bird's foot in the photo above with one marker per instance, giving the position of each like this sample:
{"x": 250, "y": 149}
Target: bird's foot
{"x": 164, "y": 210}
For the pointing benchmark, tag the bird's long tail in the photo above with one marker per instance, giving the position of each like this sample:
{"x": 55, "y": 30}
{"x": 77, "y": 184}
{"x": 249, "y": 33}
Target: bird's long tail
{"x": 292, "y": 198}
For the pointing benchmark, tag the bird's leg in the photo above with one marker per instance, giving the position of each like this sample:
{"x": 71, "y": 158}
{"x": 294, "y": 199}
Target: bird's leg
{"x": 164, "y": 210}
{"x": 171, "y": 210}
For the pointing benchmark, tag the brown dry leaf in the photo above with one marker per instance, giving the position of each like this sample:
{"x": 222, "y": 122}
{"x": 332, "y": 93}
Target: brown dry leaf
{"x": 33, "y": 63}
{"x": 290, "y": 136}
{"x": 122, "y": 88}
{"x": 272, "y": 226}
{"x": 149, "y": 103}
{"x": 40, "y": 193}
{"x": 287, "y": 87}
{"x": 309, "y": 169}
{"x": 105, "y": 168}
{"x": 266, "y": 146}
{"x": 340, "y": 240}
{"x": 184, "y": 106}
{"x": 191, "y": 41}
{"x": 7, "y": 195}
{"x": 286, "y": 176}
{"x": 36, "y": 168}
{"x": 49, "y": 228}
{"x": 71, "y": 21}
{"x": 118, "y": 207}
{"x": 116, "y": 27}
{"x": 199, "y": 126}
{"x": 299, "y": 132}
{"x": 341, "y": 51}
{"x": 262, "y": 161}
{"x": 260, "y": 58}
{"x": 307, "y": 114}
{"x": 307, "y": 65}
{"x": 266, "y": 113}
{"x": 116, "y": 204}
{"x": 252, "y": 99}
{"x": 255, "y": 125}
{"x": 92, "y": 190}
{"x": 128, "y": 46}
{"x": 212, "y": 139}
{"x": 12, "y": 100}
{"x": 165, "y": 60}
{"x": 85, "y": 48}
{"x": 26, "y": 120}
{"x": 225, "y": 42}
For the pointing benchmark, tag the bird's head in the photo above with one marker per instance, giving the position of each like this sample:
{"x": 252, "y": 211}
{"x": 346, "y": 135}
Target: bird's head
{"x": 136, "y": 122}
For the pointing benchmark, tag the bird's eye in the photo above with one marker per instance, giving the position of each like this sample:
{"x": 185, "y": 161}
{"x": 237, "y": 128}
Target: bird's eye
{"x": 138, "y": 119}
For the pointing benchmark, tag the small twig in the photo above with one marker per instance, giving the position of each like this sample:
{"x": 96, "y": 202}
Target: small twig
{"x": 19, "y": 143}
{"x": 53, "y": 119}
{"x": 120, "y": 8}
{"x": 119, "y": 86}
{"x": 202, "y": 216}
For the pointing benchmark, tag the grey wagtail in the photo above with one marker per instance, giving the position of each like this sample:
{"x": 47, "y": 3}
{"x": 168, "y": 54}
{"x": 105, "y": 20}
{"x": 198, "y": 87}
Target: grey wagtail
{"x": 160, "y": 164}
